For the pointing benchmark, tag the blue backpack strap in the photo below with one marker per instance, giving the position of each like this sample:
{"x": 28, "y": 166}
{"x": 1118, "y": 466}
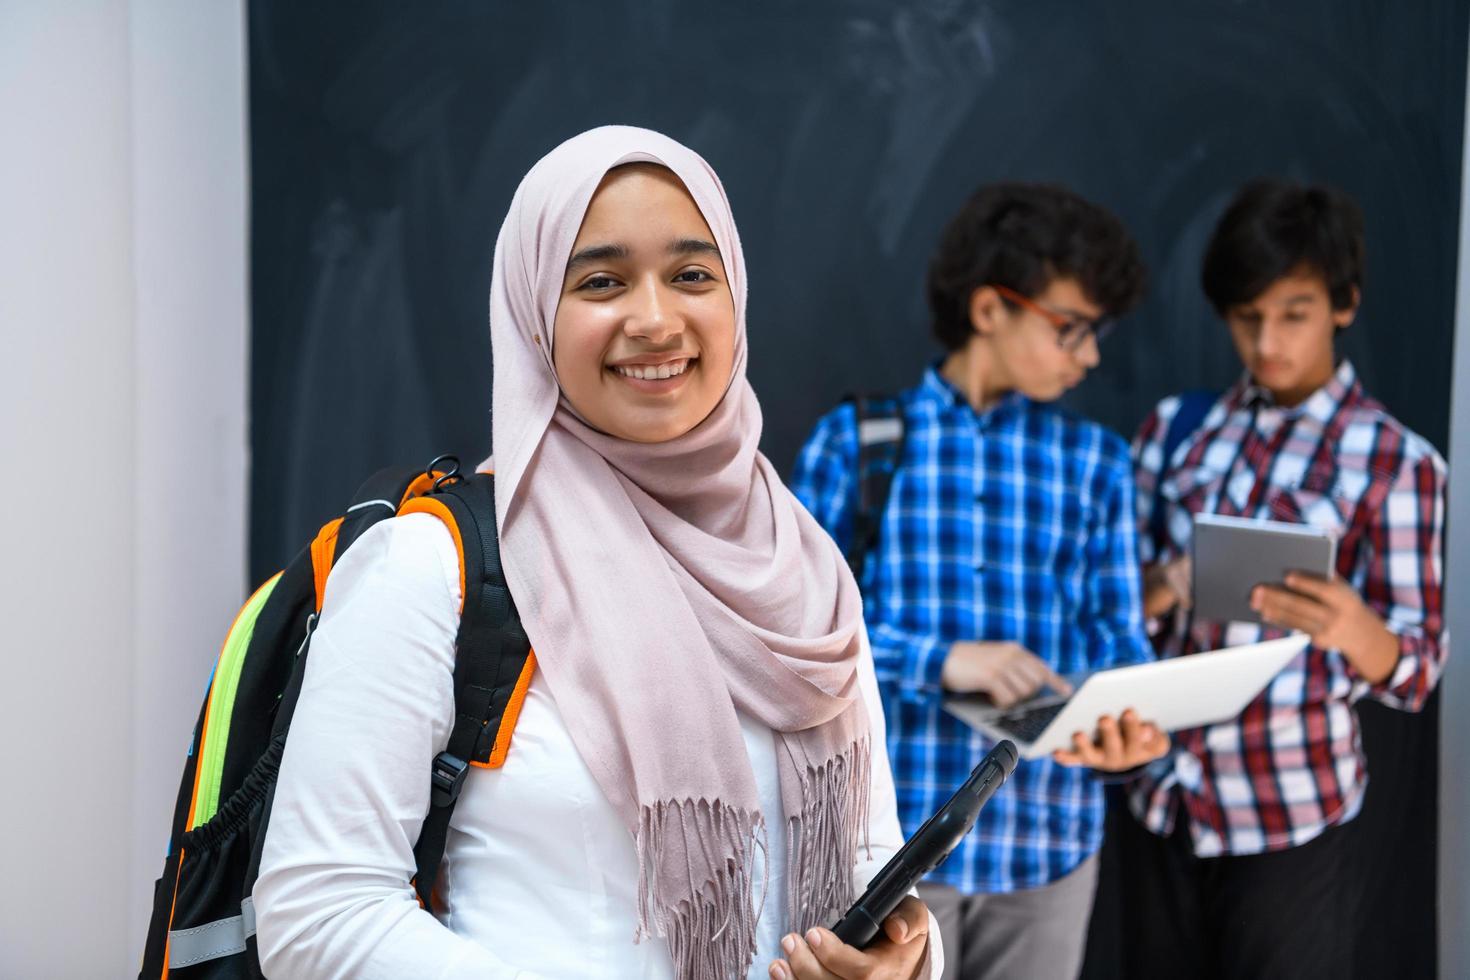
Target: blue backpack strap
{"x": 1193, "y": 407}
{"x": 881, "y": 434}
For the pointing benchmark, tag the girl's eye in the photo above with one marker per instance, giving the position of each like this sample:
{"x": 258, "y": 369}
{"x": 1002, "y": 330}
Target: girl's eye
{"x": 598, "y": 283}
{"x": 694, "y": 275}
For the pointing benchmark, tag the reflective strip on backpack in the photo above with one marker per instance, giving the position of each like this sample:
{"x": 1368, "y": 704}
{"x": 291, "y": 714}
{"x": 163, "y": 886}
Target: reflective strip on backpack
{"x": 374, "y": 503}
{"x": 247, "y": 913}
{"x": 876, "y": 430}
{"x": 225, "y": 937}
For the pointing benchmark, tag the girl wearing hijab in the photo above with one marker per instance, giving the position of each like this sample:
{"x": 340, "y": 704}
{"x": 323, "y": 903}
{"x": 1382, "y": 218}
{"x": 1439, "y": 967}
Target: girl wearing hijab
{"x": 697, "y": 782}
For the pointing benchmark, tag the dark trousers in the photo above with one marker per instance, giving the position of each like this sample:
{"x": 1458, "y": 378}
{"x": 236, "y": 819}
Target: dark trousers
{"x": 1291, "y": 913}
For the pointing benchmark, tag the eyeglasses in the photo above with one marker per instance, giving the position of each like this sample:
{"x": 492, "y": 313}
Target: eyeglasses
{"x": 1072, "y": 329}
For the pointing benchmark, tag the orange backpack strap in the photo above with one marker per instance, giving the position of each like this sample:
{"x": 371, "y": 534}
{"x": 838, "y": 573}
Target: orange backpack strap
{"x": 493, "y": 664}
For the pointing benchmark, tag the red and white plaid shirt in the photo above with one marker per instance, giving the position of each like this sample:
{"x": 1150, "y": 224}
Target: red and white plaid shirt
{"x": 1292, "y": 764}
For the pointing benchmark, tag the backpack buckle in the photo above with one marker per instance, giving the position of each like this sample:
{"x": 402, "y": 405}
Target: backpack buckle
{"x": 451, "y": 475}
{"x": 447, "y": 778}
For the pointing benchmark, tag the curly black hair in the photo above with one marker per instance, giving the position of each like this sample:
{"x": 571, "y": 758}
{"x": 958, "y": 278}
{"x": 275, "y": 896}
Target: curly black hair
{"x": 1022, "y": 236}
{"x": 1274, "y": 227}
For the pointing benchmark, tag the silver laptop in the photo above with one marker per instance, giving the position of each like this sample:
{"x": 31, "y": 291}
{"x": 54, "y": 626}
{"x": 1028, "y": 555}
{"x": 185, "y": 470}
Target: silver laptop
{"x": 1180, "y": 692}
{"x": 1232, "y": 555}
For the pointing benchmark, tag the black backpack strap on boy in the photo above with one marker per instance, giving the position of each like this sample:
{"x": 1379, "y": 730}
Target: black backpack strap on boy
{"x": 881, "y": 434}
{"x": 492, "y": 664}
{"x": 1193, "y": 407}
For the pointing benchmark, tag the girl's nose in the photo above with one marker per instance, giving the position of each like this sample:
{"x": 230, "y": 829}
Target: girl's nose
{"x": 651, "y": 317}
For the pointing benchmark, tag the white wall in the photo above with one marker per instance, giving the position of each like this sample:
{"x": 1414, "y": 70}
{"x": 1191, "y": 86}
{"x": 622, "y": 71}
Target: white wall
{"x": 122, "y": 447}
{"x": 190, "y": 362}
{"x": 67, "y": 444}
{"x": 1454, "y": 766}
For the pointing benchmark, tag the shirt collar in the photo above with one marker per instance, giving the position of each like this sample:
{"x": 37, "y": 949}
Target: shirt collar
{"x": 950, "y": 398}
{"x": 1320, "y": 405}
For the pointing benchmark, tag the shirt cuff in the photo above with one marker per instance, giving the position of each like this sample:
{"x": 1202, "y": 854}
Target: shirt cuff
{"x": 932, "y": 965}
{"x": 921, "y": 681}
{"x": 1157, "y": 769}
{"x": 1398, "y": 685}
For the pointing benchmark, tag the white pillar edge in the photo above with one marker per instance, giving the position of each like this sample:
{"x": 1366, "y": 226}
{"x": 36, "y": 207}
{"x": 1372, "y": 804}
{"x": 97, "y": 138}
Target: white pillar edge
{"x": 1454, "y": 765}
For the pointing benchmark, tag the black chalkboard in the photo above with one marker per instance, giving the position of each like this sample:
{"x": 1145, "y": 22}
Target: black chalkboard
{"x": 387, "y": 138}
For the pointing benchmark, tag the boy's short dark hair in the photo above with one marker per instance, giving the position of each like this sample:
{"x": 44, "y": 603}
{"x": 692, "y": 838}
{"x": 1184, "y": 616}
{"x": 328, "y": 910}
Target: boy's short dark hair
{"x": 1022, "y": 236}
{"x": 1273, "y": 227}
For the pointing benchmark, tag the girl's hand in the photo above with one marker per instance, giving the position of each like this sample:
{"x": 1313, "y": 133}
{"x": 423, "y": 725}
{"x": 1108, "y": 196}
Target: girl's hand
{"x": 894, "y": 955}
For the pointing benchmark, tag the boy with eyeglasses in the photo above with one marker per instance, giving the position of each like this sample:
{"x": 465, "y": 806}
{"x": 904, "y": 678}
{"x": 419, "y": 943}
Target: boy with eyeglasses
{"x": 1004, "y": 558}
{"x": 1245, "y": 863}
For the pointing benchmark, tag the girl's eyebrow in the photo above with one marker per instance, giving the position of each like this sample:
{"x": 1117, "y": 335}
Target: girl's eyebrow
{"x": 616, "y": 250}
{"x": 597, "y": 253}
{"x": 693, "y": 246}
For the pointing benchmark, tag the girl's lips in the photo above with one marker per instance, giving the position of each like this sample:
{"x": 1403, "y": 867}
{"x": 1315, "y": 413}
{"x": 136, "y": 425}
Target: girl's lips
{"x": 656, "y": 386}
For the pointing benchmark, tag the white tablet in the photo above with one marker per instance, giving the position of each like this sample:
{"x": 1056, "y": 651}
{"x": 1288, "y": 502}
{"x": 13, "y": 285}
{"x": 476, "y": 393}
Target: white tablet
{"x": 1233, "y": 555}
{"x": 1180, "y": 692}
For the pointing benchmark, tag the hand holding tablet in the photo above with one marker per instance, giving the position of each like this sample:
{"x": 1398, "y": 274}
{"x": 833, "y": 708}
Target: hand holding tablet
{"x": 929, "y": 845}
{"x": 1232, "y": 556}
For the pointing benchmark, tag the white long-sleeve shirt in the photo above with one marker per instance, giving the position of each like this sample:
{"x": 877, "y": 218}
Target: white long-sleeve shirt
{"x": 539, "y": 877}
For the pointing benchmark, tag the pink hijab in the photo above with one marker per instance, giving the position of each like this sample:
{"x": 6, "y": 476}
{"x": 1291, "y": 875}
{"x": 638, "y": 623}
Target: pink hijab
{"x": 665, "y": 586}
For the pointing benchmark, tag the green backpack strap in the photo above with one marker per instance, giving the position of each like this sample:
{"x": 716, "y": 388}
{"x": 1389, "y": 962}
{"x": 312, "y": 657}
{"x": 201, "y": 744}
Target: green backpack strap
{"x": 493, "y": 661}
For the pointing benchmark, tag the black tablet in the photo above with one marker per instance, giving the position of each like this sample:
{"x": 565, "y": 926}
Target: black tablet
{"x": 923, "y": 851}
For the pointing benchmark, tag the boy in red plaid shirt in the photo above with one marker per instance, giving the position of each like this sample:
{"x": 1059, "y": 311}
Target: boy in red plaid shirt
{"x": 1239, "y": 863}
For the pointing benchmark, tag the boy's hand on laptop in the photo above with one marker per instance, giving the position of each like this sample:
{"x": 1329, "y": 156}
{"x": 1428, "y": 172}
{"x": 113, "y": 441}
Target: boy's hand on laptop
{"x": 1007, "y": 672}
{"x": 1336, "y": 618}
{"x": 1117, "y": 745}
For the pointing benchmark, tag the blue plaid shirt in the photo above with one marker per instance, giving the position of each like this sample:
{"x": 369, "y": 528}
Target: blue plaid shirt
{"x": 1016, "y": 524}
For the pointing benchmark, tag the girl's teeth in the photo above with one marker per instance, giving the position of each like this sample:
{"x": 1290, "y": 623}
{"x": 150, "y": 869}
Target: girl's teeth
{"x": 654, "y": 373}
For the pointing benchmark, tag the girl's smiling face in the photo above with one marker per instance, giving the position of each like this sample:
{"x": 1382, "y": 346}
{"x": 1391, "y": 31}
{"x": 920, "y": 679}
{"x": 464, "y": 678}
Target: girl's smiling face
{"x": 644, "y": 337}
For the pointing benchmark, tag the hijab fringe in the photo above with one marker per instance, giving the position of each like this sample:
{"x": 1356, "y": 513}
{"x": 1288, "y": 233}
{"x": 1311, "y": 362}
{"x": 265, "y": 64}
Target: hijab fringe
{"x": 821, "y": 843}
{"x": 712, "y": 935}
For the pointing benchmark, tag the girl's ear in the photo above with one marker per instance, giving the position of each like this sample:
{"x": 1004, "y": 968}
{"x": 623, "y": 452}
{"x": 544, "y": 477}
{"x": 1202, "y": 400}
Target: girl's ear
{"x": 1342, "y": 319}
{"x": 986, "y": 309}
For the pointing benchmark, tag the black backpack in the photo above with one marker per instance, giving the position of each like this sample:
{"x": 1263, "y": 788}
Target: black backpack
{"x": 203, "y": 921}
{"x": 882, "y": 435}
{"x": 1194, "y": 405}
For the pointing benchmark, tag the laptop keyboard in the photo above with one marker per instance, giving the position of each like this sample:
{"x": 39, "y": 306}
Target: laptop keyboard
{"x": 1027, "y": 724}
